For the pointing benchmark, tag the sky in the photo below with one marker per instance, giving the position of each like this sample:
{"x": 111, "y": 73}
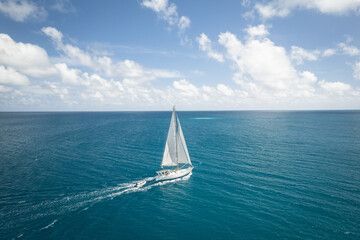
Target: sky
{"x": 130, "y": 55}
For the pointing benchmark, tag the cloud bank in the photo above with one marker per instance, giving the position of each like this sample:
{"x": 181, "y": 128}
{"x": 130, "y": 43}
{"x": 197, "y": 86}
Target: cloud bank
{"x": 264, "y": 74}
{"x": 267, "y": 71}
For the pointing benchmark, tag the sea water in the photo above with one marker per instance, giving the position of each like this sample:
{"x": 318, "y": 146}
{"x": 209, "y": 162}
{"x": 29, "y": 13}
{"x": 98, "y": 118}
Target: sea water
{"x": 257, "y": 175}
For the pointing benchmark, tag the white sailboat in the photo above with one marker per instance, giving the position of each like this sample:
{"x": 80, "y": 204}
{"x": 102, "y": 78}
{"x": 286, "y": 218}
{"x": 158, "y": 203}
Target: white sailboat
{"x": 176, "y": 155}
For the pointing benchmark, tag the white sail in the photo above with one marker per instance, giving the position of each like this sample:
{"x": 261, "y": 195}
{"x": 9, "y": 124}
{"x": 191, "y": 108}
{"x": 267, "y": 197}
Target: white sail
{"x": 169, "y": 157}
{"x": 175, "y": 149}
{"x": 183, "y": 153}
{"x": 167, "y": 160}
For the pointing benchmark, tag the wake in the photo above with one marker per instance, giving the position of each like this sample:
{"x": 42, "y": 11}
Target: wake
{"x": 87, "y": 199}
{"x": 147, "y": 186}
{"x": 82, "y": 201}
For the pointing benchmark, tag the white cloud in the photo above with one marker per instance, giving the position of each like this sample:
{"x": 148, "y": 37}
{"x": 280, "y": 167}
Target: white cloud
{"x": 156, "y": 5}
{"x": 270, "y": 10}
{"x": 221, "y": 96}
{"x": 163, "y": 9}
{"x": 170, "y": 14}
{"x": 206, "y": 46}
{"x": 335, "y": 87}
{"x": 225, "y": 89}
{"x": 71, "y": 76}
{"x": 4, "y": 89}
{"x": 356, "y": 68}
{"x": 54, "y": 34}
{"x": 75, "y": 54}
{"x": 19, "y": 61}
{"x": 21, "y": 10}
{"x": 133, "y": 72}
{"x": 349, "y": 50}
{"x": 264, "y": 70}
{"x": 167, "y": 12}
{"x": 257, "y": 31}
{"x": 308, "y": 77}
{"x": 184, "y": 23}
{"x": 259, "y": 60}
{"x": 186, "y": 88}
{"x": 329, "y": 52}
{"x": 267, "y": 80}
{"x": 282, "y": 8}
{"x": 79, "y": 56}
{"x": 299, "y": 54}
{"x": 24, "y": 57}
{"x": 64, "y": 6}
{"x": 10, "y": 76}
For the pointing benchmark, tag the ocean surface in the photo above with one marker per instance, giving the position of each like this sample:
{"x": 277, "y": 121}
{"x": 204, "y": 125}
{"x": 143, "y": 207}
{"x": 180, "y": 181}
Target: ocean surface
{"x": 257, "y": 175}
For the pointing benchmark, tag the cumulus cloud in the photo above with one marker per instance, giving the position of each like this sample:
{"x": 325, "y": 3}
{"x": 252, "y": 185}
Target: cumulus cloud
{"x": 99, "y": 79}
{"x": 271, "y": 10}
{"x": 356, "y": 68}
{"x": 185, "y": 88}
{"x": 24, "y": 57}
{"x": 76, "y": 55}
{"x": 167, "y": 12}
{"x": 131, "y": 71}
{"x": 21, "y": 10}
{"x": 349, "y": 49}
{"x": 299, "y": 54}
{"x": 71, "y": 76}
{"x": 335, "y": 87}
{"x": 329, "y": 52}
{"x": 263, "y": 70}
{"x": 187, "y": 94}
{"x": 282, "y": 8}
{"x": 9, "y": 76}
{"x": 257, "y": 31}
{"x": 259, "y": 60}
{"x": 54, "y": 34}
{"x": 156, "y": 5}
{"x": 225, "y": 89}
{"x": 205, "y": 45}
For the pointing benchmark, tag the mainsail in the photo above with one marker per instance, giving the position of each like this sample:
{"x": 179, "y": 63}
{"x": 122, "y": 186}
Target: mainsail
{"x": 175, "y": 148}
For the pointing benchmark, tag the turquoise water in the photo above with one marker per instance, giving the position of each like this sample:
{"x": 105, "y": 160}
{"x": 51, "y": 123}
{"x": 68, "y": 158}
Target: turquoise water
{"x": 257, "y": 175}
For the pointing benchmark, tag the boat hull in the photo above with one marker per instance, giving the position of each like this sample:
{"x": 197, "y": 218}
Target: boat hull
{"x": 140, "y": 184}
{"x": 173, "y": 174}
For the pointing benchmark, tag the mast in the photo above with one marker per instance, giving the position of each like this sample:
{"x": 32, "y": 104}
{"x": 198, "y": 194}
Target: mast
{"x": 175, "y": 138}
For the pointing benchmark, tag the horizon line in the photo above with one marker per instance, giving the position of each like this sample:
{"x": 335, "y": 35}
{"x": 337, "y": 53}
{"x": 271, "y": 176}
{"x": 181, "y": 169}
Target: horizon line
{"x": 218, "y": 110}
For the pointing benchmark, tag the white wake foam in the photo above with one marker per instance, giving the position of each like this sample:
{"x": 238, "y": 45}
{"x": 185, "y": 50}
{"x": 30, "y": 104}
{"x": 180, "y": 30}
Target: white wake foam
{"x": 50, "y": 225}
{"x": 84, "y": 200}
{"x": 65, "y": 204}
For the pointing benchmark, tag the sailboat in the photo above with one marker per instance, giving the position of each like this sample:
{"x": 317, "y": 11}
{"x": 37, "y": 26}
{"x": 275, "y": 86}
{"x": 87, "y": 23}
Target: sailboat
{"x": 176, "y": 156}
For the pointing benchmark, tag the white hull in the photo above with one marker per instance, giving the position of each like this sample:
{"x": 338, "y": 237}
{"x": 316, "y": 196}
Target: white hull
{"x": 140, "y": 184}
{"x": 173, "y": 174}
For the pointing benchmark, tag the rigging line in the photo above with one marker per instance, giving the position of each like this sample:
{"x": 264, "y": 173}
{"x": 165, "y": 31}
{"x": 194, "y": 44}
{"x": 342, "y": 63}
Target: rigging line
{"x": 175, "y": 134}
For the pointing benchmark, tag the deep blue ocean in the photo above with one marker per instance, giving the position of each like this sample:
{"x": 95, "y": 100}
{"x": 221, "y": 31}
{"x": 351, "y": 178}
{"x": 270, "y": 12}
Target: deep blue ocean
{"x": 257, "y": 175}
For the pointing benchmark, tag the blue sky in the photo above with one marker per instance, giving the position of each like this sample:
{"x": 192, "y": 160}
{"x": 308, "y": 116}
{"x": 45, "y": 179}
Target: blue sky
{"x": 199, "y": 55}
